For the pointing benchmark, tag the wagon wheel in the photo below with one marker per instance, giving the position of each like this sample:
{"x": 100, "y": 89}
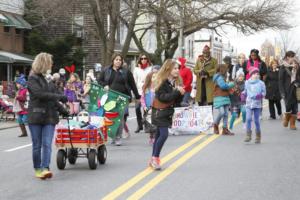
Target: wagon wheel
{"x": 72, "y": 156}
{"x": 92, "y": 158}
{"x": 61, "y": 159}
{"x": 102, "y": 154}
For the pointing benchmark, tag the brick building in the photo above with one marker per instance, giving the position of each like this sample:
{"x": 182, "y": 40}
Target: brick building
{"x": 12, "y": 30}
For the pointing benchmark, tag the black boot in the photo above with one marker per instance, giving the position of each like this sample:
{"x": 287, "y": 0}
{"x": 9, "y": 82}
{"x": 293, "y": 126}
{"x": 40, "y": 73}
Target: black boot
{"x": 138, "y": 129}
{"x": 23, "y": 129}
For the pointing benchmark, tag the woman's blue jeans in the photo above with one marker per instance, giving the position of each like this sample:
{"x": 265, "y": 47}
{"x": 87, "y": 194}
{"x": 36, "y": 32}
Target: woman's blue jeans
{"x": 41, "y": 136}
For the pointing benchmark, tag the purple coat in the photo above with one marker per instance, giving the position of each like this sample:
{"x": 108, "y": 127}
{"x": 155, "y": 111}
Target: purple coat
{"x": 72, "y": 90}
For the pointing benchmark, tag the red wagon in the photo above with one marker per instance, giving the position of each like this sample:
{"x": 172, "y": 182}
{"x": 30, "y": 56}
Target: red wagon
{"x": 76, "y": 143}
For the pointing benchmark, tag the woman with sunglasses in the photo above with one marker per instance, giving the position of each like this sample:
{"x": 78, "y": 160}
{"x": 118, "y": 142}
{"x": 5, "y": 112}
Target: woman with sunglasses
{"x": 141, "y": 71}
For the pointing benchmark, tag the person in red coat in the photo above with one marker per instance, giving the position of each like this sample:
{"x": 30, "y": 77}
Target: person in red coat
{"x": 187, "y": 79}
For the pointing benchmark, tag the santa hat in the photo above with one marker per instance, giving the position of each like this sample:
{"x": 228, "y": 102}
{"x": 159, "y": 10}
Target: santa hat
{"x": 253, "y": 70}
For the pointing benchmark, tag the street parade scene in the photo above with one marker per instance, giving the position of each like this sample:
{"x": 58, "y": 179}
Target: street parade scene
{"x": 149, "y": 99}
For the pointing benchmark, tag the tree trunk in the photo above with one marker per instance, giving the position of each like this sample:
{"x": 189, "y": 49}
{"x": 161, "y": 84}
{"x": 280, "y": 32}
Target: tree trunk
{"x": 130, "y": 28}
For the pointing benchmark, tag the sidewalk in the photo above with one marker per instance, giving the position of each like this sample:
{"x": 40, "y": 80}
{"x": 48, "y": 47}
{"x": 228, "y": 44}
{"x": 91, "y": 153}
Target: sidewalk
{"x": 8, "y": 124}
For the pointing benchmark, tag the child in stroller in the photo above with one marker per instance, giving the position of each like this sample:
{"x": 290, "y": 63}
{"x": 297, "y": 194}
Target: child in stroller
{"x": 6, "y": 108}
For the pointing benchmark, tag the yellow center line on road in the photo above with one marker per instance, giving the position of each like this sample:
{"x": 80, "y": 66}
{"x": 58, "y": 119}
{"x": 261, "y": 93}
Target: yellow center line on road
{"x": 156, "y": 180}
{"x": 160, "y": 177}
{"x": 130, "y": 183}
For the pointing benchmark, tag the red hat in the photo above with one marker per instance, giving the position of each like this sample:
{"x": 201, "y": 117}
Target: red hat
{"x": 181, "y": 61}
{"x": 253, "y": 70}
{"x": 206, "y": 49}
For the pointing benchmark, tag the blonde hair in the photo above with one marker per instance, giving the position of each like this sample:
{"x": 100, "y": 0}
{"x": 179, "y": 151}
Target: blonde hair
{"x": 42, "y": 62}
{"x": 274, "y": 61}
{"x": 164, "y": 73}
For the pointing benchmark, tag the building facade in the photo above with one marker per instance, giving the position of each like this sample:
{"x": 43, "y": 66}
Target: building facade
{"x": 12, "y": 30}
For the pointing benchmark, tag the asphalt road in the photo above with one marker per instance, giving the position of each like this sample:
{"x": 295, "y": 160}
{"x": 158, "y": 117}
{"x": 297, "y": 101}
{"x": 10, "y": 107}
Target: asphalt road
{"x": 207, "y": 167}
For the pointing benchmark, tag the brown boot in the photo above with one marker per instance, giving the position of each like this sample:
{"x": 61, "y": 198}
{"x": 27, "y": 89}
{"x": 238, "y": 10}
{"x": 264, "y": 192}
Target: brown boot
{"x": 258, "y": 138}
{"x": 23, "y": 129}
{"x": 286, "y": 119}
{"x": 216, "y": 129}
{"x": 248, "y": 137}
{"x": 293, "y": 122}
{"x": 226, "y": 131}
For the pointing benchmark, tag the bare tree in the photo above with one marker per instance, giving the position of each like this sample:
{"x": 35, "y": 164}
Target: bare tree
{"x": 247, "y": 17}
{"x": 288, "y": 42}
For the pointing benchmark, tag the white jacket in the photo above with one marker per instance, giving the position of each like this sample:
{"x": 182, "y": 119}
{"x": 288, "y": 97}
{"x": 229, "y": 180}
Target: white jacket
{"x": 140, "y": 77}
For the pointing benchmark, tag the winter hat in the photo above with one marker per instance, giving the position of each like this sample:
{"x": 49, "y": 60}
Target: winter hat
{"x": 56, "y": 76}
{"x": 21, "y": 80}
{"x": 62, "y": 71}
{"x": 181, "y": 61}
{"x": 239, "y": 73}
{"x": 253, "y": 70}
{"x": 227, "y": 60}
{"x": 206, "y": 49}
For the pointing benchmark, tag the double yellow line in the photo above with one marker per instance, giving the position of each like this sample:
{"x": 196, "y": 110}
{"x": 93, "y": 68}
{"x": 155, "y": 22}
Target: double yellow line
{"x": 166, "y": 172}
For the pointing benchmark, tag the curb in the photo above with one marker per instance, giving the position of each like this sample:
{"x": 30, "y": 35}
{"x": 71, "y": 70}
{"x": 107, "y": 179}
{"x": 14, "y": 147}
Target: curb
{"x": 9, "y": 127}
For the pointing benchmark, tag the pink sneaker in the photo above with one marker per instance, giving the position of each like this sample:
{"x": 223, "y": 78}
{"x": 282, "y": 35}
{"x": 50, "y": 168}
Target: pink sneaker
{"x": 155, "y": 163}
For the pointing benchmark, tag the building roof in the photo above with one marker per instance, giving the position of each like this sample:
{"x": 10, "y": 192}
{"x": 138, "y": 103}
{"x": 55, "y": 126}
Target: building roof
{"x": 12, "y": 58}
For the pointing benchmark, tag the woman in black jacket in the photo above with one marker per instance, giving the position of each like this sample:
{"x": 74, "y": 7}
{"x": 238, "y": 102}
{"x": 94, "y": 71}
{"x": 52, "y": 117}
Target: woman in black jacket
{"x": 120, "y": 79}
{"x": 168, "y": 93}
{"x": 272, "y": 86}
{"x": 289, "y": 80}
{"x": 43, "y": 114}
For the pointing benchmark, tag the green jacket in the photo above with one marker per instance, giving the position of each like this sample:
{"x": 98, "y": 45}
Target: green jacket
{"x": 209, "y": 68}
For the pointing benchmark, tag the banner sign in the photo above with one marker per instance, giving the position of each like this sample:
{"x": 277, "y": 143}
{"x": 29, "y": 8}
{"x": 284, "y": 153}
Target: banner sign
{"x": 110, "y": 105}
{"x": 192, "y": 119}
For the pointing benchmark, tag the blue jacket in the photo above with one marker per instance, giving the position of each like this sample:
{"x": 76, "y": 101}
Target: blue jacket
{"x": 252, "y": 89}
{"x": 220, "y": 101}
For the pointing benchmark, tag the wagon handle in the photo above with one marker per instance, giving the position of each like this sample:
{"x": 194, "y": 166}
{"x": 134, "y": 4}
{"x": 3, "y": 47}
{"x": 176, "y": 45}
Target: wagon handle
{"x": 69, "y": 131}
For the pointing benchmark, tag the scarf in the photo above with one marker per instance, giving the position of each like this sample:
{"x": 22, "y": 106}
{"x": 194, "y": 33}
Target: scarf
{"x": 256, "y": 64}
{"x": 144, "y": 66}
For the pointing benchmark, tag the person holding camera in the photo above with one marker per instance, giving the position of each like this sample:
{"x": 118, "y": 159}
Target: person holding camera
{"x": 289, "y": 80}
{"x": 43, "y": 114}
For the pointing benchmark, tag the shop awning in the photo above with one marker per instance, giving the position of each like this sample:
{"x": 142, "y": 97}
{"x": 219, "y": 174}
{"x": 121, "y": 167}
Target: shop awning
{"x": 12, "y": 58}
{"x": 15, "y": 21}
{"x": 3, "y": 19}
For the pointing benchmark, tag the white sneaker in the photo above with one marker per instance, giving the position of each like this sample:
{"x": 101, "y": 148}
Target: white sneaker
{"x": 171, "y": 131}
{"x": 118, "y": 142}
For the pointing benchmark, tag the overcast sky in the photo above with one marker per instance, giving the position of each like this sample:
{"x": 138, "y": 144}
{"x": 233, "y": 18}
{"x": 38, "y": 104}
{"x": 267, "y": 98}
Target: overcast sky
{"x": 245, "y": 43}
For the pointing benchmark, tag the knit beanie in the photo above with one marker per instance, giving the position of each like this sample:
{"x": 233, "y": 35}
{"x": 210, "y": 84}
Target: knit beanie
{"x": 239, "y": 73}
{"x": 253, "y": 70}
{"x": 21, "y": 80}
